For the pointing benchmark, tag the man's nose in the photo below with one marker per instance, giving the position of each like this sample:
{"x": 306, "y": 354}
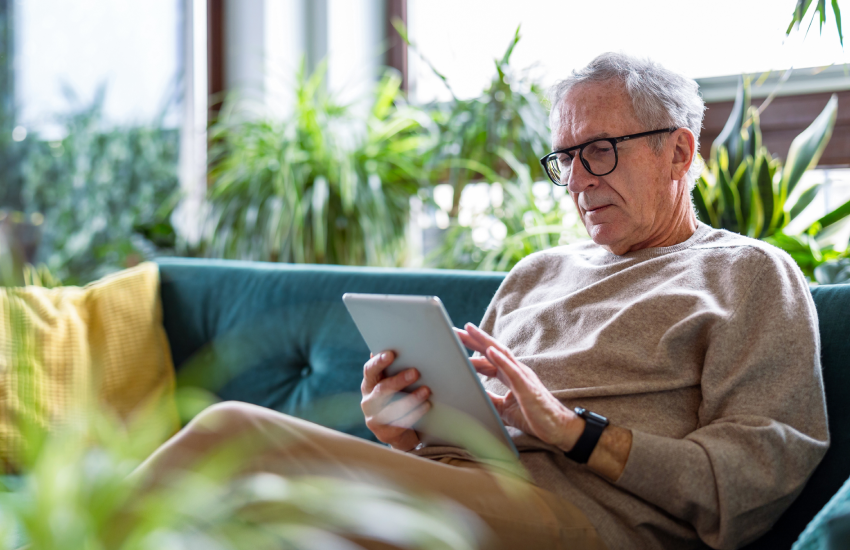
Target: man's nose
{"x": 579, "y": 178}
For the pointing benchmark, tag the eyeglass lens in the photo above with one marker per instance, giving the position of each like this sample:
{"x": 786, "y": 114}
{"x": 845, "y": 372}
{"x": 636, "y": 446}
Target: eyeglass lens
{"x": 600, "y": 158}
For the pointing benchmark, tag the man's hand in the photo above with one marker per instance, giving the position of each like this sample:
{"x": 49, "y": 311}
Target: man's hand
{"x": 391, "y": 414}
{"x": 528, "y": 405}
{"x": 532, "y": 408}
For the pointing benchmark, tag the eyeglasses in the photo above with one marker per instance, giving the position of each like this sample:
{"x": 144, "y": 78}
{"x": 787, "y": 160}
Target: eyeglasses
{"x": 599, "y": 157}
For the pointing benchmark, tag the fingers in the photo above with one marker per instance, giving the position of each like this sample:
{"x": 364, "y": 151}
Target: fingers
{"x": 484, "y": 366}
{"x": 402, "y": 407}
{"x": 373, "y": 370}
{"x": 468, "y": 341}
{"x": 484, "y": 340}
{"x": 506, "y": 366}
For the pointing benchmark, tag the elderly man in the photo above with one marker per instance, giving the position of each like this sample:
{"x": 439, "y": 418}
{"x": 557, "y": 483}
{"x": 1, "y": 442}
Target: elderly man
{"x": 690, "y": 355}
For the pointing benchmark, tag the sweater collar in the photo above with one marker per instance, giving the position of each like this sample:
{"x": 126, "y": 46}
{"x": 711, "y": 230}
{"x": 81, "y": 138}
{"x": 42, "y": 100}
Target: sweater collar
{"x": 701, "y": 231}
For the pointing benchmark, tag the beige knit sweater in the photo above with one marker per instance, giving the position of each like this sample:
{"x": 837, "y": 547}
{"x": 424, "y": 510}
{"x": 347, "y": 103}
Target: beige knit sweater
{"x": 708, "y": 351}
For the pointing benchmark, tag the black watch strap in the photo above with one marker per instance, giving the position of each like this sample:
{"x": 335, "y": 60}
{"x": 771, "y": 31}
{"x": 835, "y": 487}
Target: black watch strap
{"x": 593, "y": 427}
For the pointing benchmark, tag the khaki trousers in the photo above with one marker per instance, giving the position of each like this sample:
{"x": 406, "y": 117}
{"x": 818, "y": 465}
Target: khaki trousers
{"x": 518, "y": 513}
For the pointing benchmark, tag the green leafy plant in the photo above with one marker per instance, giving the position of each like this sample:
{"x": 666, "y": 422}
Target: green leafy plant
{"x": 77, "y": 485}
{"x": 834, "y": 272}
{"x": 79, "y": 490}
{"x": 323, "y": 186}
{"x": 497, "y": 138}
{"x": 508, "y": 115}
{"x": 802, "y": 8}
{"x": 98, "y": 188}
{"x": 527, "y": 217}
{"x": 745, "y": 189}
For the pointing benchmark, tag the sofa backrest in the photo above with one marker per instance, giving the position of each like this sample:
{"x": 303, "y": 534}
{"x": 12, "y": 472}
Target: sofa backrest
{"x": 278, "y": 335}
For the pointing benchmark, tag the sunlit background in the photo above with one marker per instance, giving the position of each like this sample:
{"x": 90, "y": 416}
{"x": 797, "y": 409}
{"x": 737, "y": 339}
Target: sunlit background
{"x": 112, "y": 111}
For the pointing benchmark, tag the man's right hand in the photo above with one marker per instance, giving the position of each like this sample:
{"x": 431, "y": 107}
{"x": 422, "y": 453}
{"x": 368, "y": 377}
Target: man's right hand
{"x": 389, "y": 413}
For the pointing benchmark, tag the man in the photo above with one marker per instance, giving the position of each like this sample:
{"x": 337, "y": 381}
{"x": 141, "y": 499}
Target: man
{"x": 697, "y": 349}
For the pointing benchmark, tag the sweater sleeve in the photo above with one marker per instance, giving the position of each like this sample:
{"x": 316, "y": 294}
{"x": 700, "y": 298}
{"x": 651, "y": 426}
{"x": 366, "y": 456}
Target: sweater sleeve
{"x": 762, "y": 420}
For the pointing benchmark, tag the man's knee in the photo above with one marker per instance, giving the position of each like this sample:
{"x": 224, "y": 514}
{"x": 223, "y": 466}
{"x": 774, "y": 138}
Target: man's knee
{"x": 230, "y": 416}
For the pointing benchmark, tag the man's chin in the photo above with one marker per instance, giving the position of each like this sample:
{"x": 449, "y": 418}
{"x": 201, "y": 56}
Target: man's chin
{"x": 608, "y": 236}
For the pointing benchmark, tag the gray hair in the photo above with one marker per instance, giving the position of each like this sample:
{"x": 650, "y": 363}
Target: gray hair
{"x": 660, "y": 98}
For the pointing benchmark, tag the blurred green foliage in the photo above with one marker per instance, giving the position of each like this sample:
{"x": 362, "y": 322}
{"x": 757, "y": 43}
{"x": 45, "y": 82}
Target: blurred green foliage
{"x": 528, "y": 216}
{"x": 326, "y": 185}
{"x": 509, "y": 115}
{"x": 77, "y": 483}
{"x": 498, "y": 137}
{"x": 332, "y": 182}
{"x": 100, "y": 190}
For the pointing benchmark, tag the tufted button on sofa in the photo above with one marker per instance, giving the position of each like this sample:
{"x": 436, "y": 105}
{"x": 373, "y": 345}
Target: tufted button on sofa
{"x": 279, "y": 336}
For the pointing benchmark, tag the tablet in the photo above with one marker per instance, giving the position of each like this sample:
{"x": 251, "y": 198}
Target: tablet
{"x": 418, "y": 330}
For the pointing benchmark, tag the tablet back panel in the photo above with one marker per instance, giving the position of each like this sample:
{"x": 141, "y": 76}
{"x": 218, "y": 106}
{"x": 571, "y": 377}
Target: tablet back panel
{"x": 418, "y": 330}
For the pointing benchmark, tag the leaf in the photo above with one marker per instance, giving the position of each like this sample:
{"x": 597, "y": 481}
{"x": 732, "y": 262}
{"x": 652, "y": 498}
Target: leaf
{"x": 740, "y": 184}
{"x": 506, "y": 58}
{"x": 837, "y": 12}
{"x": 806, "y": 149}
{"x": 765, "y": 191}
{"x": 730, "y": 136}
{"x": 705, "y": 212}
{"x": 835, "y": 216}
{"x": 799, "y": 10}
{"x": 805, "y": 199}
{"x": 755, "y": 223}
{"x": 729, "y": 212}
{"x": 834, "y": 272}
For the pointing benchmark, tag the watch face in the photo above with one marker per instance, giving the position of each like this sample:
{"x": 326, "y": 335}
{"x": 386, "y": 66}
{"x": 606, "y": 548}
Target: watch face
{"x": 597, "y": 417}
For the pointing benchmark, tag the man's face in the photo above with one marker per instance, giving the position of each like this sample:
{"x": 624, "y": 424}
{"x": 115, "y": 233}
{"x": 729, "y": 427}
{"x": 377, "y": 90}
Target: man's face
{"x": 631, "y": 207}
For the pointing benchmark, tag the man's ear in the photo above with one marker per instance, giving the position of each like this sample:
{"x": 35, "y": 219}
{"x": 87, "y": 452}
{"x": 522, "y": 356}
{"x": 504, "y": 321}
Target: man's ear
{"x": 683, "y": 153}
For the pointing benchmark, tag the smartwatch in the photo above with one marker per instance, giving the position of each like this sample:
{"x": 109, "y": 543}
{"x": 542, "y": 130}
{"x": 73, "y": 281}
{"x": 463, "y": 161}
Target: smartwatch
{"x": 593, "y": 427}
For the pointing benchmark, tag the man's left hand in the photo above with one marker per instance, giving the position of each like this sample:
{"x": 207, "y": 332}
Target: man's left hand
{"x": 528, "y": 405}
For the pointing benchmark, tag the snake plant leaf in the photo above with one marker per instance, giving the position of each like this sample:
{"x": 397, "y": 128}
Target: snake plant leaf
{"x": 805, "y": 199}
{"x": 807, "y": 148}
{"x": 765, "y": 191}
{"x": 705, "y": 210}
{"x": 833, "y": 217}
{"x": 743, "y": 182}
{"x": 730, "y": 203}
{"x": 752, "y": 131}
{"x": 755, "y": 222}
{"x": 730, "y": 137}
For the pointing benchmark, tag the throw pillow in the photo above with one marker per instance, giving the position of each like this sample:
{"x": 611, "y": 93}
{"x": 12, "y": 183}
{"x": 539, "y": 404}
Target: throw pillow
{"x": 66, "y": 350}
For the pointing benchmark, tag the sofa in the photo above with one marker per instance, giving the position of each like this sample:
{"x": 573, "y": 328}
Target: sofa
{"x": 279, "y": 336}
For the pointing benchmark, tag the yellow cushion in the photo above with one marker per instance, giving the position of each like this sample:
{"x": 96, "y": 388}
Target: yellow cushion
{"x": 65, "y": 349}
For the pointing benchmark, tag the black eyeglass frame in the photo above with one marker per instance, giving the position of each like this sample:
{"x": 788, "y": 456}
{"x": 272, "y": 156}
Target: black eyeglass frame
{"x": 613, "y": 141}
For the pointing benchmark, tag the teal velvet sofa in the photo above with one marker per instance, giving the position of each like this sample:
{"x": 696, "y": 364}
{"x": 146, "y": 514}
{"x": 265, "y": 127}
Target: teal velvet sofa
{"x": 279, "y": 336}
